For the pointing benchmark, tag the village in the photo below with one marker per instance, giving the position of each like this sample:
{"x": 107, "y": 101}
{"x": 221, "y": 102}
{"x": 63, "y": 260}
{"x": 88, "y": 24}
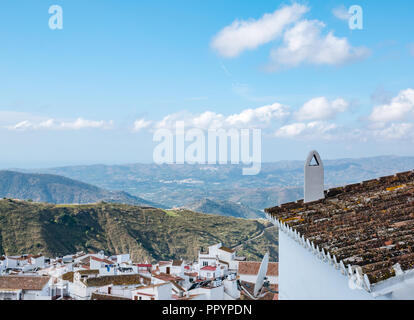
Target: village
{"x": 217, "y": 274}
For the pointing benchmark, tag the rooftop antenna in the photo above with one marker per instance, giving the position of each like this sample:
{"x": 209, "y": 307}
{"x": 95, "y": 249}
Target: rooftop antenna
{"x": 314, "y": 178}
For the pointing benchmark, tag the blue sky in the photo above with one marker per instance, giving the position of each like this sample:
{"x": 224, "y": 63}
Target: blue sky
{"x": 73, "y": 96}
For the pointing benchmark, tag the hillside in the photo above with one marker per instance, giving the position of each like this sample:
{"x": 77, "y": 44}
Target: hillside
{"x": 146, "y": 233}
{"x": 224, "y": 208}
{"x": 57, "y": 189}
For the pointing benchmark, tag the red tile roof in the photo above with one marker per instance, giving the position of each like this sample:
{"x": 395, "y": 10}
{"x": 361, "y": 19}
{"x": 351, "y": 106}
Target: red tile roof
{"x": 102, "y": 260}
{"x": 227, "y": 249}
{"x": 23, "y": 282}
{"x": 117, "y": 280}
{"x": 191, "y": 274}
{"x": 208, "y": 268}
{"x": 177, "y": 263}
{"x": 252, "y": 268}
{"x": 167, "y": 277}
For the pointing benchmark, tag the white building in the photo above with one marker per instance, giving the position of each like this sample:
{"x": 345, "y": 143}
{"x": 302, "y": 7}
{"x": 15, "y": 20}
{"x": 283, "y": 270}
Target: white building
{"x": 160, "y": 291}
{"x": 210, "y": 272}
{"x": 355, "y": 243}
{"x": 219, "y": 256}
{"x": 25, "y": 288}
{"x": 119, "y": 285}
{"x": 248, "y": 271}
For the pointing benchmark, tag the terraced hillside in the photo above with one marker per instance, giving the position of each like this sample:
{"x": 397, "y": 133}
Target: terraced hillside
{"x": 146, "y": 233}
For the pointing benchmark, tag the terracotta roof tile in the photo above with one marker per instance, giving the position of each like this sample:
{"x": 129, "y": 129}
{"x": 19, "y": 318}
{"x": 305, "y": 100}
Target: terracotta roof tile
{"x": 252, "y": 268}
{"x": 227, "y": 249}
{"x": 177, "y": 263}
{"x": 369, "y": 224}
{"x": 119, "y": 280}
{"x": 23, "y": 282}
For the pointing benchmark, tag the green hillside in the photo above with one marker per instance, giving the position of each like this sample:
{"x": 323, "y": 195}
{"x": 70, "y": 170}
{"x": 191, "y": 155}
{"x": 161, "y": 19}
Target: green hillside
{"x": 224, "y": 208}
{"x": 146, "y": 233}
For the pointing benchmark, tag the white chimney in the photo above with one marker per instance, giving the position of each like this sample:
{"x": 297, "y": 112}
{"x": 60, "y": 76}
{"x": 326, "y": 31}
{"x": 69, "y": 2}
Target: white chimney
{"x": 314, "y": 178}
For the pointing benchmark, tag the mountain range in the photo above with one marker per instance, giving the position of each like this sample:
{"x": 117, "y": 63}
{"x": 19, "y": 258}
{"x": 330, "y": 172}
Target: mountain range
{"x": 180, "y": 185}
{"x": 60, "y": 190}
{"x": 131, "y": 221}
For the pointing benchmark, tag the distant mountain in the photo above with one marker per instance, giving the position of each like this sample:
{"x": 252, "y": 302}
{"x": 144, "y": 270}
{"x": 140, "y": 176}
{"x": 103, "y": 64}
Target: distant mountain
{"x": 224, "y": 208}
{"x": 146, "y": 233}
{"x": 278, "y": 182}
{"x": 59, "y": 190}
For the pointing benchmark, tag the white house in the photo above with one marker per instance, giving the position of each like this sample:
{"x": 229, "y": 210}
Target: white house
{"x": 25, "y": 288}
{"x": 209, "y": 272}
{"x": 218, "y": 255}
{"x": 227, "y": 255}
{"x": 83, "y": 287}
{"x": 231, "y": 290}
{"x": 160, "y": 291}
{"x": 248, "y": 271}
{"x": 355, "y": 243}
{"x": 177, "y": 268}
{"x": 210, "y": 292}
{"x": 164, "y": 266}
{"x": 37, "y": 261}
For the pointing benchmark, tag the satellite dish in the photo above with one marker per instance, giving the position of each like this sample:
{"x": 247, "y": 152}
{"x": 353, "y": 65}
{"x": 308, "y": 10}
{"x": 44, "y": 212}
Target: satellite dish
{"x": 261, "y": 275}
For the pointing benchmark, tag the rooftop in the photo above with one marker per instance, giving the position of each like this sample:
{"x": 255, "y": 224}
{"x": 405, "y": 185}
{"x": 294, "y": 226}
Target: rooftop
{"x": 23, "y": 282}
{"x": 208, "y": 268}
{"x": 227, "y": 249}
{"x": 68, "y": 276}
{"x": 118, "y": 280}
{"x": 167, "y": 277}
{"x": 102, "y": 260}
{"x": 177, "y": 263}
{"x": 252, "y": 268}
{"x": 369, "y": 225}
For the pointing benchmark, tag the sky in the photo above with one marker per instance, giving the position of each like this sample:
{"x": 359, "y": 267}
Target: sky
{"x": 96, "y": 90}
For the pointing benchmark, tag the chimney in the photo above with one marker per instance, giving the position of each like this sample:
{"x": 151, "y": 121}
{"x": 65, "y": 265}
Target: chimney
{"x": 314, "y": 178}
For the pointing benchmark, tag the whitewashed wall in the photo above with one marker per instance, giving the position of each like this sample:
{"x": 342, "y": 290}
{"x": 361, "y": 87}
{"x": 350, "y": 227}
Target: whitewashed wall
{"x": 302, "y": 276}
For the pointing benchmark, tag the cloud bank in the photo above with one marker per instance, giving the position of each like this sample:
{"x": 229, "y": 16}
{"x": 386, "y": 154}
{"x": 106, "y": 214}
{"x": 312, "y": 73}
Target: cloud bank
{"x": 303, "y": 41}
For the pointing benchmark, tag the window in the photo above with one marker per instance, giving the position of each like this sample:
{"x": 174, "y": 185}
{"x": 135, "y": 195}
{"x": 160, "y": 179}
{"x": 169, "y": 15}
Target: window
{"x": 314, "y": 162}
{"x": 205, "y": 263}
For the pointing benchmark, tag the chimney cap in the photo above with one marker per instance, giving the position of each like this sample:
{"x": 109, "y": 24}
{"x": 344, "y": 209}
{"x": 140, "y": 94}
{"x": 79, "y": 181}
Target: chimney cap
{"x": 314, "y": 178}
{"x": 313, "y": 155}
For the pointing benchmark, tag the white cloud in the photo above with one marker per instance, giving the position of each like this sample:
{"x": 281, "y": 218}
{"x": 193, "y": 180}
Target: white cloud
{"x": 400, "y": 107}
{"x": 208, "y": 120}
{"x": 321, "y": 109}
{"x": 395, "y": 131}
{"x": 53, "y": 124}
{"x": 261, "y": 117}
{"x": 85, "y": 124}
{"x": 341, "y": 13}
{"x": 141, "y": 124}
{"x": 247, "y": 35}
{"x": 23, "y": 125}
{"x": 316, "y": 129}
{"x": 304, "y": 43}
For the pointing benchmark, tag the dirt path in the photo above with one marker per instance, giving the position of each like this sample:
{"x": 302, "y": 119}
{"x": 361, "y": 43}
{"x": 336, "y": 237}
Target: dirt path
{"x": 254, "y": 238}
